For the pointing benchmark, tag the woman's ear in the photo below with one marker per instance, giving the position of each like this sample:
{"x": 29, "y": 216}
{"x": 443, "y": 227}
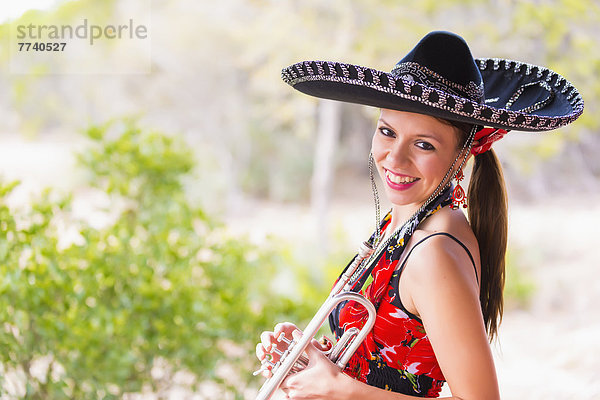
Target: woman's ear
{"x": 460, "y": 162}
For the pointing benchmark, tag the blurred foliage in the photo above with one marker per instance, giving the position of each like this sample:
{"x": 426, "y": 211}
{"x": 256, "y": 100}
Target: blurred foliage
{"x": 159, "y": 289}
{"x": 519, "y": 285}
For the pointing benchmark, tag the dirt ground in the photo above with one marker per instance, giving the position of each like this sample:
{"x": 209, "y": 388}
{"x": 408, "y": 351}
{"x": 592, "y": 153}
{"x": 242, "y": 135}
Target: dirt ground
{"x": 551, "y": 350}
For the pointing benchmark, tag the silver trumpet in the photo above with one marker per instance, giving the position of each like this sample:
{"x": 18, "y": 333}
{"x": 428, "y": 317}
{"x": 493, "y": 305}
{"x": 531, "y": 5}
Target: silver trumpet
{"x": 293, "y": 359}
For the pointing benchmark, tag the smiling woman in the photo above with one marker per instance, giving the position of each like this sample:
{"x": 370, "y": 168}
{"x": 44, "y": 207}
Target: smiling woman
{"x": 435, "y": 277}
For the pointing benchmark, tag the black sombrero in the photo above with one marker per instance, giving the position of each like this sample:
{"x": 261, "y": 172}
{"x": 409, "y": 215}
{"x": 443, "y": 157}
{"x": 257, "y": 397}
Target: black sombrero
{"x": 440, "y": 77}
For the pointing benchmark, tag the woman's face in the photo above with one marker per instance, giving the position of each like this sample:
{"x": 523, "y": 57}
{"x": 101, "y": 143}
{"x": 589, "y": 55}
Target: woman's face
{"x": 412, "y": 153}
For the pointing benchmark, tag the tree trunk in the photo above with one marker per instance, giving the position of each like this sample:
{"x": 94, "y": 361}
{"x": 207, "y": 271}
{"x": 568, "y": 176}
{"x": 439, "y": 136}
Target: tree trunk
{"x": 327, "y": 142}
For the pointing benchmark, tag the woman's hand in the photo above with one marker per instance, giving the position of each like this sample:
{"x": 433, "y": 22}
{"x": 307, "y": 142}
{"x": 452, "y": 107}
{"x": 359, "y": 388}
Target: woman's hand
{"x": 321, "y": 379}
{"x": 270, "y": 347}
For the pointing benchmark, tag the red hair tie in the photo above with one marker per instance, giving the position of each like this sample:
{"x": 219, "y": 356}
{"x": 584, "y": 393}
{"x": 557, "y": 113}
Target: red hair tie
{"x": 485, "y": 137}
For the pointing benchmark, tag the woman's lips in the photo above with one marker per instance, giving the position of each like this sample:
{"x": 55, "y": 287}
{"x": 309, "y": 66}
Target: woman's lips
{"x": 399, "y": 181}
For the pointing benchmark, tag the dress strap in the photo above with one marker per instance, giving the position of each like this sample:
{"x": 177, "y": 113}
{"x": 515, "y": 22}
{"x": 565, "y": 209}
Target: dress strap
{"x": 444, "y": 234}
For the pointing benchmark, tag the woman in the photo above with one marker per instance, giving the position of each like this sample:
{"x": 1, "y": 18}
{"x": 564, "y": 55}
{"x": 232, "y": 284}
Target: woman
{"x": 436, "y": 278}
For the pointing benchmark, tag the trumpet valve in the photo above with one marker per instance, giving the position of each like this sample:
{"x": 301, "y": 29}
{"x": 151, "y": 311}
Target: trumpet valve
{"x": 281, "y": 338}
{"x": 266, "y": 363}
{"x": 300, "y": 363}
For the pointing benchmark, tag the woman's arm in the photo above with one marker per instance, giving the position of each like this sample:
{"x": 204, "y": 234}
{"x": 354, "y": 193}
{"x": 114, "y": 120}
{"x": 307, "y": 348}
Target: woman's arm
{"x": 441, "y": 287}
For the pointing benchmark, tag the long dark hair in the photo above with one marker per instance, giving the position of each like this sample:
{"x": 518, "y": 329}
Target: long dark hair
{"x": 488, "y": 216}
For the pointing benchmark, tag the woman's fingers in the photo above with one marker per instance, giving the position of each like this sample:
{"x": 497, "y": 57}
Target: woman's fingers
{"x": 286, "y": 327}
{"x": 272, "y": 345}
{"x": 260, "y": 351}
{"x": 264, "y": 353}
{"x": 265, "y": 359}
{"x": 267, "y": 338}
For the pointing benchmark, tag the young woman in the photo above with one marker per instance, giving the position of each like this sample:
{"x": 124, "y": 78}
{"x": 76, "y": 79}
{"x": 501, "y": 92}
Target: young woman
{"x": 436, "y": 277}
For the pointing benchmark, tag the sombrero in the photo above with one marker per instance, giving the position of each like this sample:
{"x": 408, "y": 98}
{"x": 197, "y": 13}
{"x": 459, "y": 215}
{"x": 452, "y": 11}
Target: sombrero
{"x": 440, "y": 77}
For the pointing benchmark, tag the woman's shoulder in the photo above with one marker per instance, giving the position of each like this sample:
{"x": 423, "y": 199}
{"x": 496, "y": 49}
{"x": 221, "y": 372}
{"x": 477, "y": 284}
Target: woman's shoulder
{"x": 450, "y": 222}
{"x": 442, "y": 262}
{"x": 444, "y": 243}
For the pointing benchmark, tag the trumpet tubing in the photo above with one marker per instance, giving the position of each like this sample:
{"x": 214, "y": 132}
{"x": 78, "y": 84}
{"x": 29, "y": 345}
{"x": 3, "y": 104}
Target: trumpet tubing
{"x": 293, "y": 359}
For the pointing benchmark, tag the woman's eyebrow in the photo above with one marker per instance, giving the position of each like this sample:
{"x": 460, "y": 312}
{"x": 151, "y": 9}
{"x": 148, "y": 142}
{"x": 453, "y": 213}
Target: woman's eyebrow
{"x": 429, "y": 136}
{"x": 383, "y": 120}
{"x": 423, "y": 135}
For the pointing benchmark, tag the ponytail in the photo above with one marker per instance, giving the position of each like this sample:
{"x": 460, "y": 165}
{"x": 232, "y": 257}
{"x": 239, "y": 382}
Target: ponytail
{"x": 488, "y": 216}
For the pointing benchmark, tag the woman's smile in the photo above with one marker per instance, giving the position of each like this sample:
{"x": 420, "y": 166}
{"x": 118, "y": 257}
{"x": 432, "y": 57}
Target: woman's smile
{"x": 399, "y": 181}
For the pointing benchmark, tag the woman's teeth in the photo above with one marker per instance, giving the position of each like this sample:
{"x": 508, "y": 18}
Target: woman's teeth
{"x": 400, "y": 179}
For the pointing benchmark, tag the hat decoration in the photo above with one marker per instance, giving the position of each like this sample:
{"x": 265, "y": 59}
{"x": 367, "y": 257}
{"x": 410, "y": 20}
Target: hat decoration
{"x": 484, "y": 139}
{"x": 440, "y": 77}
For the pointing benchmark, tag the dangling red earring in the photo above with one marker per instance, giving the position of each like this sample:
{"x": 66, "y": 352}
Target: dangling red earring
{"x": 458, "y": 194}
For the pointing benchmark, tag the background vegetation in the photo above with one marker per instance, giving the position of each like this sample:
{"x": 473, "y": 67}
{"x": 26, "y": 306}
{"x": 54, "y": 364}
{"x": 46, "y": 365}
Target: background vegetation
{"x": 130, "y": 275}
{"x": 159, "y": 290}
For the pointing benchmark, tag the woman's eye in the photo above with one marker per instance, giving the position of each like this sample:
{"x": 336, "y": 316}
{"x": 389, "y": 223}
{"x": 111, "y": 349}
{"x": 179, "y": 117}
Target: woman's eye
{"x": 387, "y": 132}
{"x": 425, "y": 146}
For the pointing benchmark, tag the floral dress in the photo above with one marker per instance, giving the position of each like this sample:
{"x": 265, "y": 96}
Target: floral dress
{"x": 397, "y": 354}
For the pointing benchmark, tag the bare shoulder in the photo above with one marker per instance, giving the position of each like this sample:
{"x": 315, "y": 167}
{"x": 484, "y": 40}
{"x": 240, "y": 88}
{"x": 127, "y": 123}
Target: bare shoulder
{"x": 440, "y": 262}
{"x": 438, "y": 259}
{"x": 453, "y": 223}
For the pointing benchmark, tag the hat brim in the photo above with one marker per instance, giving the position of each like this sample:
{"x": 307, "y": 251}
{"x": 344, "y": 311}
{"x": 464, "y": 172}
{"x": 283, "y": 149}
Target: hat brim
{"x": 518, "y": 96}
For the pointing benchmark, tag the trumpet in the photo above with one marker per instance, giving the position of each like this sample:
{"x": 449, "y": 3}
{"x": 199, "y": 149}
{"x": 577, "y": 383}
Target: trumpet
{"x": 293, "y": 358}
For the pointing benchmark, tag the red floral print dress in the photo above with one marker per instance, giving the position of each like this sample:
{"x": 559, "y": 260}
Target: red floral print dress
{"x": 397, "y": 354}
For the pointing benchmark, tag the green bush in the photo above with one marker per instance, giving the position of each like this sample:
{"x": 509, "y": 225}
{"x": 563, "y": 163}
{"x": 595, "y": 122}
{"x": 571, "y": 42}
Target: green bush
{"x": 92, "y": 312}
{"x": 519, "y": 287}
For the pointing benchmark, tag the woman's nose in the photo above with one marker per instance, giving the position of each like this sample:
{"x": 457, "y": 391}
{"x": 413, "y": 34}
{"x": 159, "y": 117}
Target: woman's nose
{"x": 398, "y": 154}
